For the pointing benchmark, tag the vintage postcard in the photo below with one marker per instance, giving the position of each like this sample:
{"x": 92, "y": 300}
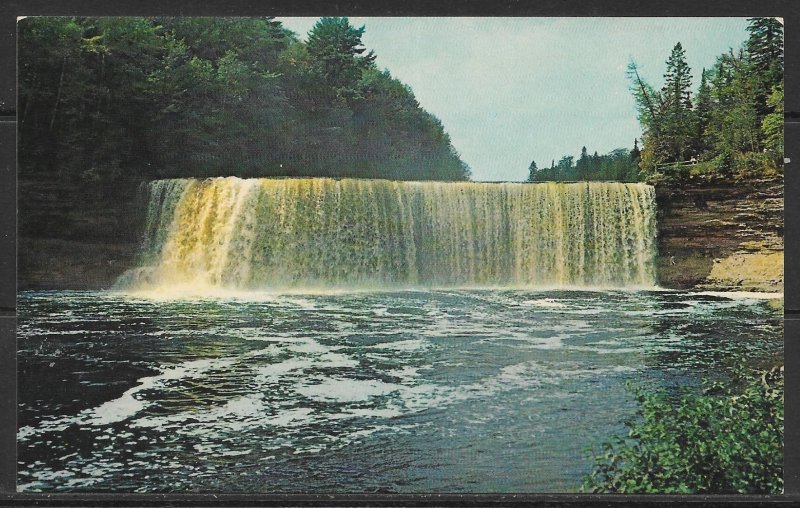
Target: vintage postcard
{"x": 400, "y": 255}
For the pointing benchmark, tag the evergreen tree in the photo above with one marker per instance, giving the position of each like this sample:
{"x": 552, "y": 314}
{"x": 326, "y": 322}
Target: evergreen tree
{"x": 532, "y": 171}
{"x": 736, "y": 116}
{"x": 582, "y": 167}
{"x": 650, "y": 110}
{"x": 734, "y": 125}
{"x": 678, "y": 129}
{"x": 636, "y": 154}
{"x": 336, "y": 48}
{"x": 632, "y": 173}
{"x": 594, "y": 164}
{"x": 703, "y": 112}
{"x": 765, "y": 51}
{"x": 618, "y": 165}
{"x": 676, "y": 91}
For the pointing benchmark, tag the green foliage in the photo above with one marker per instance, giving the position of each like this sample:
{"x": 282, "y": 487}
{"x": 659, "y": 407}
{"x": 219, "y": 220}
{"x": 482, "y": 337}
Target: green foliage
{"x": 734, "y": 116}
{"x": 723, "y": 440}
{"x": 336, "y": 49}
{"x": 619, "y": 165}
{"x": 677, "y": 121}
{"x": 106, "y": 98}
{"x": 765, "y": 50}
{"x": 772, "y": 125}
{"x": 532, "y": 170}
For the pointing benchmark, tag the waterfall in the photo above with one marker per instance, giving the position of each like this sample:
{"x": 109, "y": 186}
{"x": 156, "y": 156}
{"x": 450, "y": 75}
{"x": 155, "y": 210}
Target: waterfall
{"x": 324, "y": 233}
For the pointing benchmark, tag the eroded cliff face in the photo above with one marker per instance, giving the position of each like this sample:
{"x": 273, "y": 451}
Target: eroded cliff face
{"x": 75, "y": 236}
{"x": 721, "y": 236}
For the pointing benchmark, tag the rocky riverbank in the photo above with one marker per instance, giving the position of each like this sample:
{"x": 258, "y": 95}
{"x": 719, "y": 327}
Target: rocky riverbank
{"x": 721, "y": 236}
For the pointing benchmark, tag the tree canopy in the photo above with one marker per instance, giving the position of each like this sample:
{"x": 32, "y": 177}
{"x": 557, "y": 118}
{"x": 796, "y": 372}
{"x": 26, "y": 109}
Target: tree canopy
{"x": 731, "y": 126}
{"x": 102, "y": 98}
{"x": 619, "y": 165}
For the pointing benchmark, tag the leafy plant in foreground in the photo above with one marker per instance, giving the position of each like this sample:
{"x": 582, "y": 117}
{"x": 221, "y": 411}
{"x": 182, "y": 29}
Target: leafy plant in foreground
{"x": 719, "y": 441}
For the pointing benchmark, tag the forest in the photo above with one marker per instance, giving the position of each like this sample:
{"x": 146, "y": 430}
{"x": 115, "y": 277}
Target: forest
{"x": 731, "y": 127}
{"x": 619, "y": 165}
{"x": 103, "y": 99}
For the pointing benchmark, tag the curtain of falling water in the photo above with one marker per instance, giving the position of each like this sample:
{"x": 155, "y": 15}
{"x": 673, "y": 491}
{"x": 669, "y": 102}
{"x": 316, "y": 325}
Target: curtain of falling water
{"x": 316, "y": 232}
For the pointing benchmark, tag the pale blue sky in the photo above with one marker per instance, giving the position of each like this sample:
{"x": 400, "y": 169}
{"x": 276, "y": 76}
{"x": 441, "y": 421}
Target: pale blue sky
{"x": 512, "y": 90}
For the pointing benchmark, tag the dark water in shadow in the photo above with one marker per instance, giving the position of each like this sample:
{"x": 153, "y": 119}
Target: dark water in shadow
{"x": 417, "y": 391}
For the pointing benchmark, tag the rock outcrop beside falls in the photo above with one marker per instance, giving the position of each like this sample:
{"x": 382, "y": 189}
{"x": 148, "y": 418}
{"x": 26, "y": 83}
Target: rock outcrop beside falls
{"x": 721, "y": 236}
{"x": 75, "y": 236}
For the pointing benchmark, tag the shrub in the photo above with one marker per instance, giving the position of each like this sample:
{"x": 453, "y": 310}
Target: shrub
{"x": 705, "y": 170}
{"x": 754, "y": 165}
{"x": 722, "y": 440}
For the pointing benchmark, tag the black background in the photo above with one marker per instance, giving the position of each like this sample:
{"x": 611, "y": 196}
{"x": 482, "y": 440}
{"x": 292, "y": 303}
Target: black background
{"x": 10, "y": 10}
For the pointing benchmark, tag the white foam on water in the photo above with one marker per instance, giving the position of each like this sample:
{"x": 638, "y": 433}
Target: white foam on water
{"x": 301, "y": 303}
{"x": 274, "y": 371}
{"x": 605, "y": 351}
{"x": 307, "y": 346}
{"x": 329, "y": 360}
{"x": 374, "y": 413}
{"x": 120, "y": 408}
{"x": 406, "y": 372}
{"x": 403, "y": 345}
{"x": 546, "y": 303}
{"x": 131, "y": 402}
{"x": 291, "y": 417}
{"x": 127, "y": 405}
{"x": 346, "y": 389}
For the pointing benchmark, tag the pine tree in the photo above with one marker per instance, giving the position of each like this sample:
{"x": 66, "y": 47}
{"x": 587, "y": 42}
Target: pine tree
{"x": 765, "y": 48}
{"x": 765, "y": 54}
{"x": 677, "y": 119}
{"x": 636, "y": 154}
{"x": 532, "y": 172}
{"x": 335, "y": 46}
{"x": 582, "y": 169}
{"x": 677, "y": 81}
{"x": 703, "y": 112}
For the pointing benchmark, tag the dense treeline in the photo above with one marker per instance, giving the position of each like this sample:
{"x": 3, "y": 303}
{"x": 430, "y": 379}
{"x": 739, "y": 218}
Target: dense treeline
{"x": 620, "y": 165}
{"x": 732, "y": 126}
{"x": 104, "y": 98}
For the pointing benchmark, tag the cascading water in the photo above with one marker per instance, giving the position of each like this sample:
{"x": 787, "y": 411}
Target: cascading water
{"x": 315, "y": 233}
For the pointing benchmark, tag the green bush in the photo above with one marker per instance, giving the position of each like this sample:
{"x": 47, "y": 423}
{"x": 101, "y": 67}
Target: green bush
{"x": 706, "y": 170}
{"x": 754, "y": 165}
{"x": 722, "y": 440}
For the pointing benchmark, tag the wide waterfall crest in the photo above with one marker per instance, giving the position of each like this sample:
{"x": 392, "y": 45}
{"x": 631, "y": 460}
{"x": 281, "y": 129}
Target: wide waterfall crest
{"x": 323, "y": 233}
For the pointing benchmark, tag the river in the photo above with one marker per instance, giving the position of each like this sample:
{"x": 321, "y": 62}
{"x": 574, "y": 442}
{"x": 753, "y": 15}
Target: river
{"x": 470, "y": 390}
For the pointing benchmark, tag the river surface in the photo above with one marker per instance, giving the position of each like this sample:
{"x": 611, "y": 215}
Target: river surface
{"x": 412, "y": 391}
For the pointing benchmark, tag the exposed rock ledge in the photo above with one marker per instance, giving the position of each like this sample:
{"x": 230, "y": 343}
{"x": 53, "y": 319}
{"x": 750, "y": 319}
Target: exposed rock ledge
{"x": 721, "y": 236}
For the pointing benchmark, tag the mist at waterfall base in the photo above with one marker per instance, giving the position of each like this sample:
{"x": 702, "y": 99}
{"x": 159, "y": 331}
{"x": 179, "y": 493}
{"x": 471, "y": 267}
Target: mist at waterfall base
{"x": 353, "y": 336}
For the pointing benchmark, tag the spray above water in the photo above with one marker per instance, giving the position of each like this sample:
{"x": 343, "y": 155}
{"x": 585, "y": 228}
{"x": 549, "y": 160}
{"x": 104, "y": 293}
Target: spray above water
{"x": 273, "y": 234}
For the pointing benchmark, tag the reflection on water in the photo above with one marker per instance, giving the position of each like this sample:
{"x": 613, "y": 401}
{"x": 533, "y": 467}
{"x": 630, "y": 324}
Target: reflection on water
{"x": 416, "y": 391}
